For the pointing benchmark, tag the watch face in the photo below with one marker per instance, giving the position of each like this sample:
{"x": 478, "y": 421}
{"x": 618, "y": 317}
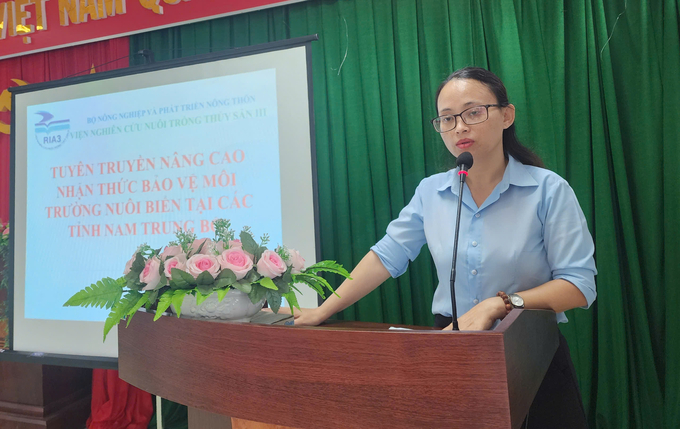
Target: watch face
{"x": 516, "y": 300}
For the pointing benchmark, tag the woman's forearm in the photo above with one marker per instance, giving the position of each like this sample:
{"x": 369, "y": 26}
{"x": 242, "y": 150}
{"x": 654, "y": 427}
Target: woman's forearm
{"x": 556, "y": 295}
{"x": 366, "y": 276}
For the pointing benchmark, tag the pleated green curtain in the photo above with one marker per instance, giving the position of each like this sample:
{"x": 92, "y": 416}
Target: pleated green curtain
{"x": 596, "y": 84}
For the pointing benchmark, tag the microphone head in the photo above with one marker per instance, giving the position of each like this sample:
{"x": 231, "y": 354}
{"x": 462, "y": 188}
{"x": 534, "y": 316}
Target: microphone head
{"x": 464, "y": 161}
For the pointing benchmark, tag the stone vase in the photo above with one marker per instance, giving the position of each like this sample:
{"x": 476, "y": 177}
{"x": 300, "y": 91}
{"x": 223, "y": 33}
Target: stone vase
{"x": 235, "y": 306}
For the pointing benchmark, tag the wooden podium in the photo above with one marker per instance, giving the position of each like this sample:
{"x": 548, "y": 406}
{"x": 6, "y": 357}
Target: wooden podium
{"x": 342, "y": 375}
{"x": 37, "y": 396}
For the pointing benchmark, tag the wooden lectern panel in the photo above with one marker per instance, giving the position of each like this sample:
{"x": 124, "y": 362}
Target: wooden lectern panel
{"x": 322, "y": 377}
{"x": 542, "y": 340}
{"x": 35, "y": 396}
{"x": 199, "y": 419}
{"x": 249, "y": 424}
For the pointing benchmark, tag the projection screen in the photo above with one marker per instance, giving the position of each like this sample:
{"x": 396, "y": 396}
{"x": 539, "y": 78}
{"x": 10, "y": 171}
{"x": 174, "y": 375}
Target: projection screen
{"x": 105, "y": 163}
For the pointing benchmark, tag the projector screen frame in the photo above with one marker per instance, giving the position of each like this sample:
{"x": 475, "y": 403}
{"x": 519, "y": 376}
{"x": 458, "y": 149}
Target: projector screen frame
{"x": 110, "y": 362}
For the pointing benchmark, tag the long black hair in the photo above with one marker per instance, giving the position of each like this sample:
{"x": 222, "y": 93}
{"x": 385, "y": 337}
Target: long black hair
{"x": 511, "y": 144}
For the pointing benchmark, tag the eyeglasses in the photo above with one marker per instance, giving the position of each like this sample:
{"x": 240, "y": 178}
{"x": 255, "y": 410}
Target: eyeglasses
{"x": 473, "y": 115}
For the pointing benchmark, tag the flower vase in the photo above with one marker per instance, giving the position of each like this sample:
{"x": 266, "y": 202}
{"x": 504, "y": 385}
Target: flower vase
{"x": 236, "y": 307}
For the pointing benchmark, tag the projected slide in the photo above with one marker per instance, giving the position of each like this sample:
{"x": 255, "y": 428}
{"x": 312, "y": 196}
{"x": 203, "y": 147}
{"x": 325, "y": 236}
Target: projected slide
{"x": 107, "y": 173}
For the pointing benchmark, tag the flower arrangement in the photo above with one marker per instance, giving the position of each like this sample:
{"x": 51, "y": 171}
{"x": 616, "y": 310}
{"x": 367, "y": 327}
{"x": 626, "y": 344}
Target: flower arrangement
{"x": 202, "y": 267}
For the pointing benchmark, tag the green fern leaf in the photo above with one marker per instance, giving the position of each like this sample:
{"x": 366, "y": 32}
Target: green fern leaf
{"x": 143, "y": 300}
{"x": 311, "y": 281}
{"x": 200, "y": 297}
{"x": 292, "y": 301}
{"x": 163, "y": 303}
{"x": 103, "y": 294}
{"x": 178, "y": 299}
{"x": 120, "y": 310}
{"x": 316, "y": 282}
{"x": 221, "y": 293}
{"x": 327, "y": 266}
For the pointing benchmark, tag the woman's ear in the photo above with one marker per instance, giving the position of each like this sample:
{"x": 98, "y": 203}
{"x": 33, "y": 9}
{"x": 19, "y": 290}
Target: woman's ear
{"x": 508, "y": 116}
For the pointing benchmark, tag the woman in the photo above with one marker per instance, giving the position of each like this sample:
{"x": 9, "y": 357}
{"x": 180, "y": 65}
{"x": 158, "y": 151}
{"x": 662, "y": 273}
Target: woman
{"x": 522, "y": 232}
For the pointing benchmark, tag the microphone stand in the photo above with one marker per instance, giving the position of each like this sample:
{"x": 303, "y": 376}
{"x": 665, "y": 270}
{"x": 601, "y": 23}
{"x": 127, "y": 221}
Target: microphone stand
{"x": 454, "y": 312}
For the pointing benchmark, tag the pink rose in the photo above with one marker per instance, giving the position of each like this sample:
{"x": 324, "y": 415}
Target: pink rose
{"x": 236, "y": 244}
{"x": 170, "y": 252}
{"x": 271, "y": 265}
{"x": 207, "y": 248}
{"x": 237, "y": 261}
{"x": 128, "y": 264}
{"x": 179, "y": 262}
{"x": 296, "y": 260}
{"x": 219, "y": 246}
{"x": 199, "y": 263}
{"x": 150, "y": 274}
{"x": 6, "y": 231}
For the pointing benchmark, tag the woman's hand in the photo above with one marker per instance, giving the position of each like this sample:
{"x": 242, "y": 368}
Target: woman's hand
{"x": 366, "y": 276}
{"x": 482, "y": 316}
{"x": 304, "y": 316}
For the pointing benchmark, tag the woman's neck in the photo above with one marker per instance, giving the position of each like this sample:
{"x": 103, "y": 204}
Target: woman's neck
{"x": 484, "y": 175}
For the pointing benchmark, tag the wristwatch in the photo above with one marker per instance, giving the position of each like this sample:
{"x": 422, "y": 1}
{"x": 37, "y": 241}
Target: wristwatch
{"x": 516, "y": 301}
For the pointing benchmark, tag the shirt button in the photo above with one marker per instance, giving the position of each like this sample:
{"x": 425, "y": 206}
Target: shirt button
{"x": 474, "y": 272}
{"x": 476, "y": 301}
{"x": 477, "y": 215}
{"x": 474, "y": 244}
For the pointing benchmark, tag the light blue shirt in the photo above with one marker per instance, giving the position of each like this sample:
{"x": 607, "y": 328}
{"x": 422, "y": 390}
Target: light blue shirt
{"x": 530, "y": 230}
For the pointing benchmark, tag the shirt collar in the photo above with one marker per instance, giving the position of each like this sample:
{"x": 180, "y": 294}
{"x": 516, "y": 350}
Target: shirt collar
{"x": 515, "y": 174}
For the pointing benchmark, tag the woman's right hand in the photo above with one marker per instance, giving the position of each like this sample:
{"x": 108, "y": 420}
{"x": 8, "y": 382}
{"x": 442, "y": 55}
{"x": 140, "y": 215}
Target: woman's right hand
{"x": 366, "y": 276}
{"x": 305, "y": 316}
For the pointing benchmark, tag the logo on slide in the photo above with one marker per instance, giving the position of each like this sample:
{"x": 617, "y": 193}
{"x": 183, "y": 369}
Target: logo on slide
{"x": 51, "y": 134}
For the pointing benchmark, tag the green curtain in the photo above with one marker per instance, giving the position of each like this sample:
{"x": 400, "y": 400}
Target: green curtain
{"x": 597, "y": 90}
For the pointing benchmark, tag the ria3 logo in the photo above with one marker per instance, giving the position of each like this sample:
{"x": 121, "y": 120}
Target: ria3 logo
{"x": 51, "y": 134}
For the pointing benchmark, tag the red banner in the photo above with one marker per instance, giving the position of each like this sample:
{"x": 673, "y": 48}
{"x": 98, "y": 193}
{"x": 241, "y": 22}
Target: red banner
{"x": 28, "y": 26}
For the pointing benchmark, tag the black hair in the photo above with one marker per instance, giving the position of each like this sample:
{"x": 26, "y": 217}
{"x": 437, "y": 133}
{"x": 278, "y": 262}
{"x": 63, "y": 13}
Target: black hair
{"x": 511, "y": 144}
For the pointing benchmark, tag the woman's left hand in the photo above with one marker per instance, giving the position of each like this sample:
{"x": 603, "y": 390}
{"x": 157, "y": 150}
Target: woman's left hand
{"x": 482, "y": 316}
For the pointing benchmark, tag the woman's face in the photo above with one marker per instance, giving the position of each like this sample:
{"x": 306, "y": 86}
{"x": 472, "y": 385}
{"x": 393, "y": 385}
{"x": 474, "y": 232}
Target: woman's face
{"x": 483, "y": 140}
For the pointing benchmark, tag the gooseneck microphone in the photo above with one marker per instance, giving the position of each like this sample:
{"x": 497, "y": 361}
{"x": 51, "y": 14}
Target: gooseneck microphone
{"x": 464, "y": 162}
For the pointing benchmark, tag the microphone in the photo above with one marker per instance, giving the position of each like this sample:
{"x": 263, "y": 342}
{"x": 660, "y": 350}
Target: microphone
{"x": 464, "y": 162}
